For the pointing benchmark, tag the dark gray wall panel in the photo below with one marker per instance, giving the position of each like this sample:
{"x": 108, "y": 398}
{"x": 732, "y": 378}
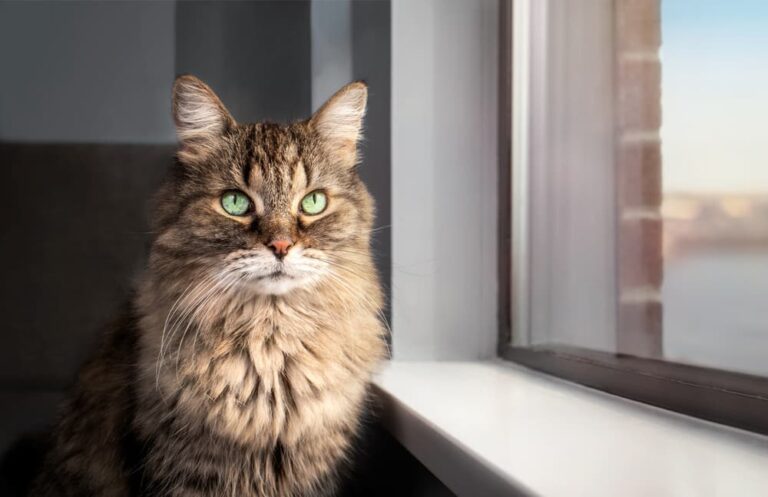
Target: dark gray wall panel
{"x": 74, "y": 236}
{"x": 86, "y": 71}
{"x": 255, "y": 55}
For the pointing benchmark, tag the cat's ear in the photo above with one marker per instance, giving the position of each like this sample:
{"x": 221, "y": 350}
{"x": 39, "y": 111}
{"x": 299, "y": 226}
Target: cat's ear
{"x": 199, "y": 115}
{"x": 339, "y": 122}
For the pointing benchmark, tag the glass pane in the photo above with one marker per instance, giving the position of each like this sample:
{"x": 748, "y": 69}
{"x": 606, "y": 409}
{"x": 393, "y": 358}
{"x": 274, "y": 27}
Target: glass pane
{"x": 715, "y": 177}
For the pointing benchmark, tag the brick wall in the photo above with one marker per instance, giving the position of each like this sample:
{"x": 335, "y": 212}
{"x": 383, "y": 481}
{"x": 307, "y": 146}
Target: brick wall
{"x": 638, "y": 162}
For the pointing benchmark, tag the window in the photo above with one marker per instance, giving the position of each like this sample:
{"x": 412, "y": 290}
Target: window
{"x": 638, "y": 205}
{"x": 715, "y": 184}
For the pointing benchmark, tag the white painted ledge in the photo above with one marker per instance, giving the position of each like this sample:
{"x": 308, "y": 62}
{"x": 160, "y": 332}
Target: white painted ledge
{"x": 494, "y": 428}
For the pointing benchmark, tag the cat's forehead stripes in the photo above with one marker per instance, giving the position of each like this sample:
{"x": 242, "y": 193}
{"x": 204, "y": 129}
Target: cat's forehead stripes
{"x": 272, "y": 157}
{"x": 248, "y": 163}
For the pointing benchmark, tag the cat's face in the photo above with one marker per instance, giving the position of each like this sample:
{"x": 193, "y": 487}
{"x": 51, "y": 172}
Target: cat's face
{"x": 267, "y": 207}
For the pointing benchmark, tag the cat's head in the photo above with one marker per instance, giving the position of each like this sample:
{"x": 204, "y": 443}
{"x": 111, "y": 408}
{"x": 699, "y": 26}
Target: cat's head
{"x": 270, "y": 207}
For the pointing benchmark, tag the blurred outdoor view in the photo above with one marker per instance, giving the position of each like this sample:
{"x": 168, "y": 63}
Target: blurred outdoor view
{"x": 715, "y": 183}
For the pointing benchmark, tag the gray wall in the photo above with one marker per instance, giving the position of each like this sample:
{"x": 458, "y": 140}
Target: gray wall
{"x": 255, "y": 55}
{"x": 331, "y": 48}
{"x": 101, "y": 72}
{"x": 86, "y": 71}
{"x": 444, "y": 179}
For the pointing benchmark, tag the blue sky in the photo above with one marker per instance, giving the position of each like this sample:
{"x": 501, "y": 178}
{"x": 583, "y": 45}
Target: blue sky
{"x": 715, "y": 95}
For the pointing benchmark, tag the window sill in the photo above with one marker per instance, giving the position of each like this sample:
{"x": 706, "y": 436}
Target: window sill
{"x": 495, "y": 428}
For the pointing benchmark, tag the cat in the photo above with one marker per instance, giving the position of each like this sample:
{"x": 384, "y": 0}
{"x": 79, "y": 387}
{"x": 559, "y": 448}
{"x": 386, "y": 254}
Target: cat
{"x": 242, "y": 363}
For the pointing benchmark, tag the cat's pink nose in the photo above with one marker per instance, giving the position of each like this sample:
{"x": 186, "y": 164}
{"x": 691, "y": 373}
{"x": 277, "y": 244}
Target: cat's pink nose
{"x": 281, "y": 246}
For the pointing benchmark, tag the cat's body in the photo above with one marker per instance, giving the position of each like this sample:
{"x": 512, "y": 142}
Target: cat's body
{"x": 242, "y": 365}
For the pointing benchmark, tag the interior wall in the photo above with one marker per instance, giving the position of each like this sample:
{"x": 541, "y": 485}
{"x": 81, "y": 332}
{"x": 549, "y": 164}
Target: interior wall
{"x": 86, "y": 72}
{"x": 331, "y": 48}
{"x": 444, "y": 174}
{"x": 255, "y": 55}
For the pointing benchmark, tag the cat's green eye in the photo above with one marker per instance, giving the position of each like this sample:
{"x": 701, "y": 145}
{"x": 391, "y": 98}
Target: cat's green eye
{"x": 314, "y": 203}
{"x": 235, "y": 203}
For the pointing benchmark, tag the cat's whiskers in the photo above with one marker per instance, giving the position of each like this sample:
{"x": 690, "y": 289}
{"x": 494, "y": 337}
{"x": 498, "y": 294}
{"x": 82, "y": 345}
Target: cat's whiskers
{"x": 343, "y": 266}
{"x": 350, "y": 288}
{"x": 376, "y": 229}
{"x": 371, "y": 304}
{"x": 202, "y": 289}
{"x": 222, "y": 285}
{"x": 184, "y": 310}
{"x": 236, "y": 278}
{"x": 163, "y": 335}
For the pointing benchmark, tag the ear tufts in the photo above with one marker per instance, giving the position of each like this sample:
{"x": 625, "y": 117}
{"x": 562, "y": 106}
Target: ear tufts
{"x": 339, "y": 121}
{"x": 197, "y": 111}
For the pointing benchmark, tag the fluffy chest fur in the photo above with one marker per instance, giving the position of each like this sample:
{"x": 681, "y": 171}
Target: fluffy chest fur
{"x": 271, "y": 388}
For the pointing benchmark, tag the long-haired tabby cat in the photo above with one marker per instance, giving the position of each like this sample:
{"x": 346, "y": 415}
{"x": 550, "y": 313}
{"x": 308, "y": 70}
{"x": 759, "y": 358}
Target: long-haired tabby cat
{"x": 242, "y": 364}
